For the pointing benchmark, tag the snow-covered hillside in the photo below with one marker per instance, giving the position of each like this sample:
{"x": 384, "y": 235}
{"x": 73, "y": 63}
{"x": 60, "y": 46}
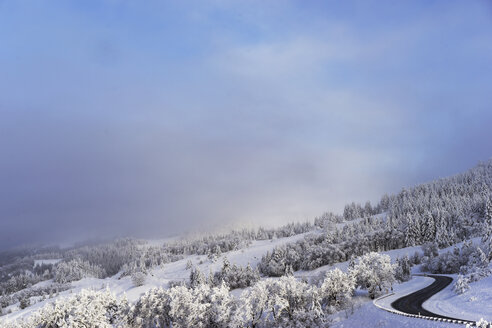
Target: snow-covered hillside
{"x": 160, "y": 276}
{"x": 305, "y": 274}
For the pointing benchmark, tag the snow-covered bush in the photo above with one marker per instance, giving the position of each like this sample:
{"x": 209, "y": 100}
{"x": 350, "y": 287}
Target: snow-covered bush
{"x": 19, "y": 282}
{"x": 189, "y": 265}
{"x": 461, "y": 285}
{"x": 236, "y": 276}
{"x": 481, "y": 324}
{"x": 24, "y": 302}
{"x": 202, "y": 306}
{"x": 274, "y": 264}
{"x": 285, "y": 302}
{"x": 337, "y": 288}
{"x": 448, "y": 262}
{"x": 430, "y": 249}
{"x": 76, "y": 269}
{"x": 138, "y": 279}
{"x": 402, "y": 270}
{"x": 477, "y": 266}
{"x": 467, "y": 260}
{"x": 416, "y": 258}
{"x": 85, "y": 309}
{"x": 373, "y": 272}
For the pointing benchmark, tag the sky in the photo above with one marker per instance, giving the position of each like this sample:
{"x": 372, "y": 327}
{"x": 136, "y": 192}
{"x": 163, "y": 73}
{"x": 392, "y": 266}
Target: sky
{"x": 154, "y": 118}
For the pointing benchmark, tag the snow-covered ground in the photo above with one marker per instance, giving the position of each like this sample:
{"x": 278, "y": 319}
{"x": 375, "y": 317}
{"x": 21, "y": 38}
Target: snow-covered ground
{"x": 367, "y": 315}
{"x": 474, "y": 304}
{"x": 160, "y": 277}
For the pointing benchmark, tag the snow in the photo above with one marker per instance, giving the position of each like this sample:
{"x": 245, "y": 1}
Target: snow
{"x": 474, "y": 304}
{"x": 46, "y": 261}
{"x": 160, "y": 277}
{"x": 367, "y": 315}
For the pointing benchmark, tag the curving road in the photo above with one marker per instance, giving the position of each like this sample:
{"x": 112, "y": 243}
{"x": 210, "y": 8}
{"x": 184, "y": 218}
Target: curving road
{"x": 412, "y": 303}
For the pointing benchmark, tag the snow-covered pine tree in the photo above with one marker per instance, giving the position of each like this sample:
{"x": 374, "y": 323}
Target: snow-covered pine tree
{"x": 189, "y": 265}
{"x": 487, "y": 236}
{"x": 410, "y": 235}
{"x": 402, "y": 271}
{"x": 461, "y": 284}
{"x": 429, "y": 227}
{"x": 288, "y": 270}
{"x": 196, "y": 277}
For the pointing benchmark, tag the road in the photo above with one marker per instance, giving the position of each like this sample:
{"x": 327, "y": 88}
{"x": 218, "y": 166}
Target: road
{"x": 412, "y": 303}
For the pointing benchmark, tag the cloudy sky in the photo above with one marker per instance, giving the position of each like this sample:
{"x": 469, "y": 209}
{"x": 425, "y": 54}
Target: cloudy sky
{"x": 152, "y": 118}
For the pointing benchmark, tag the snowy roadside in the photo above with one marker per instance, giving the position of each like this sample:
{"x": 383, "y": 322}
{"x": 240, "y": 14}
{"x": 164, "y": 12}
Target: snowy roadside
{"x": 472, "y": 305}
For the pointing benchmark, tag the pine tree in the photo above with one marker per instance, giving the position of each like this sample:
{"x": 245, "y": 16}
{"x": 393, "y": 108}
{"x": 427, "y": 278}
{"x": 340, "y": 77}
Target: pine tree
{"x": 410, "y": 236}
{"x": 461, "y": 284}
{"x": 288, "y": 270}
{"x": 487, "y": 237}
{"x": 189, "y": 265}
{"x": 196, "y": 278}
{"x": 429, "y": 231}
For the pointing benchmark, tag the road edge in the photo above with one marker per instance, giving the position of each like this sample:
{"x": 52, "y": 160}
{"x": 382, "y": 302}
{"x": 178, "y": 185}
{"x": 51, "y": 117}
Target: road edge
{"x": 394, "y": 311}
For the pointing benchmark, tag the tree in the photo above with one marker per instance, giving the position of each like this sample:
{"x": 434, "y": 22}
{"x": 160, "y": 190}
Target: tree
{"x": 189, "y": 265}
{"x": 430, "y": 250}
{"x": 402, "y": 271}
{"x": 487, "y": 237}
{"x": 76, "y": 269}
{"x": 373, "y": 272}
{"x": 368, "y": 211}
{"x": 337, "y": 288}
{"x": 410, "y": 235}
{"x": 286, "y": 302}
{"x": 196, "y": 277}
{"x": 221, "y": 306}
{"x": 429, "y": 228}
{"x": 461, "y": 284}
{"x": 85, "y": 309}
{"x": 24, "y": 302}
{"x": 138, "y": 279}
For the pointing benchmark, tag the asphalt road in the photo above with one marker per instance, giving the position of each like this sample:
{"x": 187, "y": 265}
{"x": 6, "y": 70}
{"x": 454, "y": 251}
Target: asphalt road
{"x": 412, "y": 303}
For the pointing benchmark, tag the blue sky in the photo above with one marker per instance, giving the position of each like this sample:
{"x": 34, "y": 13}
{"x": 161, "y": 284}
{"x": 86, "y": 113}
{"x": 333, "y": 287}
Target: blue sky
{"x": 158, "y": 117}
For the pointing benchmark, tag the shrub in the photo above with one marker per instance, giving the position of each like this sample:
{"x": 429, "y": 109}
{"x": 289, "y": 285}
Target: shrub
{"x": 138, "y": 279}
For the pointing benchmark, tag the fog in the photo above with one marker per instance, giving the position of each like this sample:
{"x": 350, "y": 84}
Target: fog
{"x": 122, "y": 118}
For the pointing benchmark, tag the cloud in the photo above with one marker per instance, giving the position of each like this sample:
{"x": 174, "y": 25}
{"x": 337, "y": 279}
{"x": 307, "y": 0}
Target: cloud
{"x": 171, "y": 118}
